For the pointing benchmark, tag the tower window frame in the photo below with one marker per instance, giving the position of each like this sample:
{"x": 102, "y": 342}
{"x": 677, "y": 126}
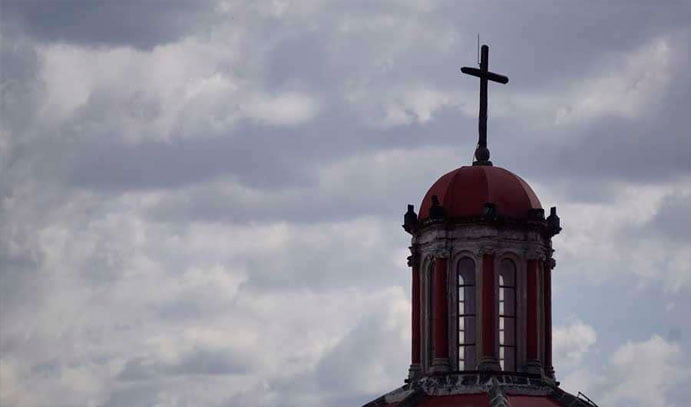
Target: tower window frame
{"x": 466, "y": 312}
{"x": 507, "y": 310}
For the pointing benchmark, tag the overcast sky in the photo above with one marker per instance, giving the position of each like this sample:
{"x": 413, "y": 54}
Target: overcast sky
{"x": 202, "y": 200}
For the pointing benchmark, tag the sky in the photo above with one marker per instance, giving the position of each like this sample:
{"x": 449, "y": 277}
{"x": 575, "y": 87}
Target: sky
{"x": 201, "y": 201}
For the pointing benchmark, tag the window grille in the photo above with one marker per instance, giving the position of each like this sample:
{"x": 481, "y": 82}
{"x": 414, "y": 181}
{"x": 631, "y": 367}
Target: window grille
{"x": 466, "y": 314}
{"x": 507, "y": 315}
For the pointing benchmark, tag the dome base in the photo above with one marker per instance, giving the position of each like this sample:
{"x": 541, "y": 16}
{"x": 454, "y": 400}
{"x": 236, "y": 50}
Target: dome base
{"x": 482, "y": 389}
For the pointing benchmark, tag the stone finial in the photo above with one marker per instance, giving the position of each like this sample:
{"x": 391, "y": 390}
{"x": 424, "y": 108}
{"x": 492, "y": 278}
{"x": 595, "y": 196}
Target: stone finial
{"x": 410, "y": 220}
{"x": 489, "y": 211}
{"x": 436, "y": 211}
{"x": 553, "y": 222}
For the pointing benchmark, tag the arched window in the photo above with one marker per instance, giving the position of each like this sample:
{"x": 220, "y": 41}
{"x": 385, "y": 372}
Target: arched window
{"x": 466, "y": 314}
{"x": 507, "y": 315}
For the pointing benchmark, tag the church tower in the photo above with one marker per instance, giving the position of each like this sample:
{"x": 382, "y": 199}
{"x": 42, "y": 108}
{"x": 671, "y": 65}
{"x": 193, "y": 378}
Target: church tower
{"x": 481, "y": 264}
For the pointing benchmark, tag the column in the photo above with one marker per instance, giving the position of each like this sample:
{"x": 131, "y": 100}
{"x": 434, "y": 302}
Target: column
{"x": 489, "y": 317}
{"x": 415, "y": 348}
{"x": 532, "y": 316}
{"x": 440, "y": 326}
{"x": 547, "y": 297}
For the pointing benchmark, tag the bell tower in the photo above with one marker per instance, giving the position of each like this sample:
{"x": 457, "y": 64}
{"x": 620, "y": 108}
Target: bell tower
{"x": 481, "y": 259}
{"x": 481, "y": 263}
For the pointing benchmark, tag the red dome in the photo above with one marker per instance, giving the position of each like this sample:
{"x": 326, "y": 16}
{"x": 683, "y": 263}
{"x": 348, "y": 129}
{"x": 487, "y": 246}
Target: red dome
{"x": 464, "y": 192}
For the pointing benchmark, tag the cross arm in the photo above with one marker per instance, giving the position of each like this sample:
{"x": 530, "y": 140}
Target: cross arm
{"x": 489, "y": 75}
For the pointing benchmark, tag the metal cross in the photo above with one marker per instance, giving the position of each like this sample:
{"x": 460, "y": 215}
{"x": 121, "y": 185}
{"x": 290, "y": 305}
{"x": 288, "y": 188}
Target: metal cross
{"x": 482, "y": 153}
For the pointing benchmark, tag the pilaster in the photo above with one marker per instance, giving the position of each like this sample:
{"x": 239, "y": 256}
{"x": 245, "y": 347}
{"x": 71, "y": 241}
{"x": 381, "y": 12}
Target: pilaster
{"x": 547, "y": 297}
{"x": 440, "y": 362}
{"x": 488, "y": 358}
{"x": 415, "y": 346}
{"x": 533, "y": 362}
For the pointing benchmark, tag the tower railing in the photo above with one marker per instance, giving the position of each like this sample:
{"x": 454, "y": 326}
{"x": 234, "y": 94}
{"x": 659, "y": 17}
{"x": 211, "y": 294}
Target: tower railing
{"x": 585, "y": 398}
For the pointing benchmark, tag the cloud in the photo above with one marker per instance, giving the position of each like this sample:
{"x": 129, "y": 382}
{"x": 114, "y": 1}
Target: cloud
{"x": 372, "y": 184}
{"x": 137, "y": 304}
{"x": 103, "y": 23}
{"x": 626, "y": 89}
{"x": 626, "y": 86}
{"x": 661, "y": 360}
{"x": 201, "y": 204}
{"x": 361, "y": 362}
{"x": 167, "y": 317}
{"x": 416, "y": 105}
{"x": 287, "y": 109}
{"x": 626, "y": 232}
{"x": 197, "y": 362}
{"x": 571, "y": 342}
{"x": 637, "y": 374}
{"x": 175, "y": 91}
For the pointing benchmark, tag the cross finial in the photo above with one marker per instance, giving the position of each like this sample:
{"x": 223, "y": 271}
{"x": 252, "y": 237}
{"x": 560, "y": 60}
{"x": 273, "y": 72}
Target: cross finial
{"x": 482, "y": 152}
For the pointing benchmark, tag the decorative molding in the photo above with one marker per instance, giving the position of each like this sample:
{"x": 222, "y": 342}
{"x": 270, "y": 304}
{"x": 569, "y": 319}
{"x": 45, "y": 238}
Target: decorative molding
{"x": 551, "y": 263}
{"x": 440, "y": 365}
{"x": 510, "y": 253}
{"x": 497, "y": 397}
{"x": 532, "y": 253}
{"x": 534, "y": 366}
{"x": 495, "y": 385}
{"x": 441, "y": 252}
{"x": 489, "y": 364}
{"x": 414, "y": 257}
{"x": 473, "y": 383}
{"x": 487, "y": 249}
{"x": 414, "y": 371}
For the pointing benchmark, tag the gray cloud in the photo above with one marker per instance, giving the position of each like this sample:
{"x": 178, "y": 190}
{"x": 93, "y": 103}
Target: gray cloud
{"x": 201, "y": 203}
{"x": 197, "y": 362}
{"x": 107, "y": 23}
{"x": 674, "y": 219}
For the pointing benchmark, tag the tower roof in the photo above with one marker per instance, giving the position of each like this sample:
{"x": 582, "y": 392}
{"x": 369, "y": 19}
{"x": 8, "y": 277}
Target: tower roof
{"x": 465, "y": 191}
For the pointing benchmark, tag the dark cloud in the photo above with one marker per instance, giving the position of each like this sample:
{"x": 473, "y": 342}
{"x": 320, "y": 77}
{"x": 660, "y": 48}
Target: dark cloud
{"x": 140, "y": 395}
{"x": 253, "y": 158}
{"x": 197, "y": 362}
{"x": 373, "y": 344}
{"x": 138, "y": 369}
{"x": 673, "y": 219}
{"x": 544, "y": 44}
{"x": 130, "y": 22}
{"x": 48, "y": 368}
{"x": 20, "y": 96}
{"x": 616, "y": 149}
{"x": 653, "y": 146}
{"x": 210, "y": 363}
{"x": 256, "y": 156}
